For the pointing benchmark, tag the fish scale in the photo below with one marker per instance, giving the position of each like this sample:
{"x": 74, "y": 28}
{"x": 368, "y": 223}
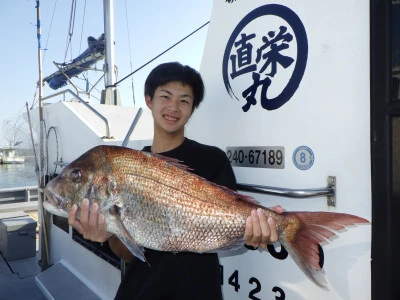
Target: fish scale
{"x": 185, "y": 216}
{"x": 155, "y": 202}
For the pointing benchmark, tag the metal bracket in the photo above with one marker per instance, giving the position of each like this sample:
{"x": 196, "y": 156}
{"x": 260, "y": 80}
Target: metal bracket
{"x": 331, "y": 201}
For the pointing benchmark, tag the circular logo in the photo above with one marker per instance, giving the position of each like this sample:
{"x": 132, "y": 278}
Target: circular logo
{"x": 303, "y": 158}
{"x": 265, "y": 57}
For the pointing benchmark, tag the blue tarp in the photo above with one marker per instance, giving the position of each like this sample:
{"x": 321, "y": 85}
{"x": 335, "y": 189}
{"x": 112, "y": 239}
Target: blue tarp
{"x": 89, "y": 57}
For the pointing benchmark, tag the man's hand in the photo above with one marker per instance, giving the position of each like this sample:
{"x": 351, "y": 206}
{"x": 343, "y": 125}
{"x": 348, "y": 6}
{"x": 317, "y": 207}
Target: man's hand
{"x": 260, "y": 231}
{"x": 91, "y": 224}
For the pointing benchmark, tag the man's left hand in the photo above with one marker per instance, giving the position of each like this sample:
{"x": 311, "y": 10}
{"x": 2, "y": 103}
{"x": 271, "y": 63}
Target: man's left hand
{"x": 260, "y": 230}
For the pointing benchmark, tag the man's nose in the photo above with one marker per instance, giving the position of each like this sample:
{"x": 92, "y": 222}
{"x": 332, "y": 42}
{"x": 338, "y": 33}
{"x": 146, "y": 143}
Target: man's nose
{"x": 173, "y": 105}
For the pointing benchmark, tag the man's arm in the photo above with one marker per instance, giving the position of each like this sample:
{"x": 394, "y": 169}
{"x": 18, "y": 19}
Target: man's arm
{"x": 259, "y": 231}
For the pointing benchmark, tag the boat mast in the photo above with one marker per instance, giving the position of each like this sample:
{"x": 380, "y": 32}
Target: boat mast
{"x": 39, "y": 33}
{"x": 45, "y": 257}
{"x": 110, "y": 95}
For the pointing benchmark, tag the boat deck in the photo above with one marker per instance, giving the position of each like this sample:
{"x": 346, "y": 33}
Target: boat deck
{"x": 17, "y": 277}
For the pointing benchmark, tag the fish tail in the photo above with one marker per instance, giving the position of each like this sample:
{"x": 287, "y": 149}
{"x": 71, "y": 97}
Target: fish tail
{"x": 304, "y": 231}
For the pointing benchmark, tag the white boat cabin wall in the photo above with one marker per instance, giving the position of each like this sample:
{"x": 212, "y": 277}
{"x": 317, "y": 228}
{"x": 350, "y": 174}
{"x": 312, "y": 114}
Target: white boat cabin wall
{"x": 288, "y": 99}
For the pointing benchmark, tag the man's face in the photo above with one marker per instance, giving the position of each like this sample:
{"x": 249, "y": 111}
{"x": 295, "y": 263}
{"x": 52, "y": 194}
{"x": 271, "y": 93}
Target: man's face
{"x": 171, "y": 106}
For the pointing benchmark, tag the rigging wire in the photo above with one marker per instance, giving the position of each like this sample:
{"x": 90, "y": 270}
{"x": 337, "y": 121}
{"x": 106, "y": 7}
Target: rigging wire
{"x": 130, "y": 53}
{"x": 80, "y": 43}
{"x": 83, "y": 24}
{"x": 141, "y": 67}
{"x": 49, "y": 33}
{"x": 70, "y": 28}
{"x": 71, "y": 32}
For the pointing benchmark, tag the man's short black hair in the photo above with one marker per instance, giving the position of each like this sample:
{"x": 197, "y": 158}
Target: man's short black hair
{"x": 175, "y": 71}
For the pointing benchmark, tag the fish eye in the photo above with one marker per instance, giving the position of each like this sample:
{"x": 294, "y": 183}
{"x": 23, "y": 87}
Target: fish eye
{"x": 75, "y": 175}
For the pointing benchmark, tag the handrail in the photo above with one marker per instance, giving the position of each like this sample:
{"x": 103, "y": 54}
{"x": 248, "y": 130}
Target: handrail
{"x": 107, "y": 136}
{"x": 329, "y": 191}
{"x": 133, "y": 125}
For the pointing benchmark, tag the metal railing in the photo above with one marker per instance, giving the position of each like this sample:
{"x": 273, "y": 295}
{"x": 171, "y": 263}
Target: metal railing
{"x": 18, "y": 194}
{"x": 329, "y": 191}
{"x": 107, "y": 136}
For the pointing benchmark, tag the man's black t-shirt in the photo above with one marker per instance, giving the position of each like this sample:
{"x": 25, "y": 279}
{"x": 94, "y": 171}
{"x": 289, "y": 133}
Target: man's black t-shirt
{"x": 182, "y": 275}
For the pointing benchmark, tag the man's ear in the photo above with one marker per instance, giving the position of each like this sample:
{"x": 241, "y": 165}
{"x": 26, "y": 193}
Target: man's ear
{"x": 149, "y": 104}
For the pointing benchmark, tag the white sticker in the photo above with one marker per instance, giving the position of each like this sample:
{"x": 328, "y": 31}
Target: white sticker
{"x": 303, "y": 158}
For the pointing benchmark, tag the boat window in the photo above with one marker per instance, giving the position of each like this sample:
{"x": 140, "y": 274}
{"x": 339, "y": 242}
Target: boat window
{"x": 102, "y": 250}
{"x": 395, "y": 50}
{"x": 61, "y": 223}
{"x": 396, "y": 157}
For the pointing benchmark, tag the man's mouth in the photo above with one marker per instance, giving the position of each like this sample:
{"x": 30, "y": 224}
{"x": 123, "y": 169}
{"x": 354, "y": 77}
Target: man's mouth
{"x": 171, "y": 118}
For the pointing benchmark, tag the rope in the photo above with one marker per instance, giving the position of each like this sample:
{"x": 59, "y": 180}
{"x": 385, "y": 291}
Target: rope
{"x": 160, "y": 54}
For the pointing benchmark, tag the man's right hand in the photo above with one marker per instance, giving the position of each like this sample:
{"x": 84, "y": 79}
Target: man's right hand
{"x": 91, "y": 223}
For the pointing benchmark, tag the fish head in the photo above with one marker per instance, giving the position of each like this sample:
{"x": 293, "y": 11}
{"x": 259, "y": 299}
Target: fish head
{"x": 89, "y": 176}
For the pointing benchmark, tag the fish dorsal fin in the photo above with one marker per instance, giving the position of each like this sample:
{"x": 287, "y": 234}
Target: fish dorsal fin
{"x": 237, "y": 195}
{"x": 172, "y": 161}
{"x": 245, "y": 198}
{"x": 177, "y": 163}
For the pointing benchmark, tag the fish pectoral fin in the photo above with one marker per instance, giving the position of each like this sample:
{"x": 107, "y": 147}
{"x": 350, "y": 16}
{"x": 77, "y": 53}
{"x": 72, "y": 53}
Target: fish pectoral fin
{"x": 134, "y": 248}
{"x": 125, "y": 236}
{"x": 127, "y": 239}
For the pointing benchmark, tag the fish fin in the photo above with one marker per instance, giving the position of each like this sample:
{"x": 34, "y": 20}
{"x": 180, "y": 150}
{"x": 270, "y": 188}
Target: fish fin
{"x": 172, "y": 161}
{"x": 235, "y": 194}
{"x": 312, "y": 229}
{"x": 239, "y": 243}
{"x": 239, "y": 196}
{"x": 177, "y": 163}
{"x": 126, "y": 238}
{"x": 135, "y": 249}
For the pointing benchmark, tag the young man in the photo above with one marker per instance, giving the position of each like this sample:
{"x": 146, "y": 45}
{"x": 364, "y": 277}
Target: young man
{"x": 172, "y": 92}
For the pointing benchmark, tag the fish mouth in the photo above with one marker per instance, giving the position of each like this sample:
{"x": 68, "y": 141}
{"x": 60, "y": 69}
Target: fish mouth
{"x": 54, "y": 204}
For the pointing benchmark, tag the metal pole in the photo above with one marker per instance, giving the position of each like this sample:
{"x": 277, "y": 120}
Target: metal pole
{"x": 45, "y": 257}
{"x": 108, "y": 6}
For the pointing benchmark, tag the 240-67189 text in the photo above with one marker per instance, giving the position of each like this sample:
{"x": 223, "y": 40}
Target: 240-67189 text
{"x": 257, "y": 157}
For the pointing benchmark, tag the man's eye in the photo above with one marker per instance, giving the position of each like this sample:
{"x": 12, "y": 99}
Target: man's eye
{"x": 75, "y": 175}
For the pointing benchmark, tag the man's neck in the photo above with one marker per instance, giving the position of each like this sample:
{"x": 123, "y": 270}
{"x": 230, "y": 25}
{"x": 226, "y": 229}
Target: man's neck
{"x": 166, "y": 143}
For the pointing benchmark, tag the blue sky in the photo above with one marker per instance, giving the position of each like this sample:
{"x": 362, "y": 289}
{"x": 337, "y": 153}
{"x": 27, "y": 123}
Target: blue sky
{"x": 151, "y": 26}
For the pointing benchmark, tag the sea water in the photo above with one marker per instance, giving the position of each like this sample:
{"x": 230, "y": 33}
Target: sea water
{"x": 18, "y": 175}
